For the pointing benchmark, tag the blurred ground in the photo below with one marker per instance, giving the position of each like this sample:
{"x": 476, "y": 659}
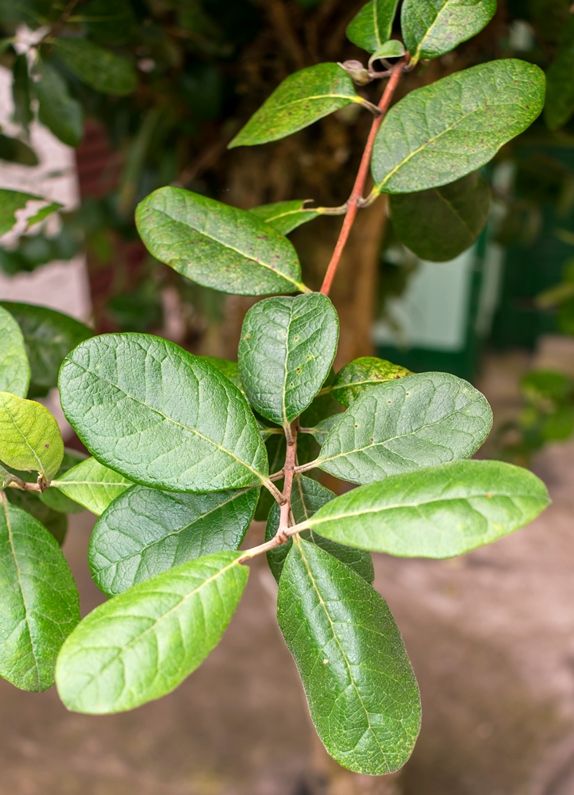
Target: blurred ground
{"x": 491, "y": 637}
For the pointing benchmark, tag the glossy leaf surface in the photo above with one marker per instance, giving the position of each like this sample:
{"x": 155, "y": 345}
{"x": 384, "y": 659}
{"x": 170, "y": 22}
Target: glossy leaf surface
{"x": 285, "y": 216}
{"x": 434, "y": 27}
{"x": 307, "y": 497}
{"x": 285, "y": 354}
{"x": 142, "y": 644}
{"x": 360, "y": 687}
{"x": 147, "y": 531}
{"x": 361, "y": 374}
{"x": 438, "y": 513}
{"x": 48, "y": 337}
{"x": 300, "y": 100}
{"x": 29, "y": 436}
{"x": 39, "y": 604}
{"x": 444, "y": 131}
{"x": 440, "y": 223}
{"x": 216, "y": 245}
{"x": 371, "y": 28}
{"x": 14, "y": 366}
{"x": 92, "y": 485}
{"x": 160, "y": 416}
{"x": 57, "y": 109}
{"x": 418, "y": 421}
{"x": 96, "y": 66}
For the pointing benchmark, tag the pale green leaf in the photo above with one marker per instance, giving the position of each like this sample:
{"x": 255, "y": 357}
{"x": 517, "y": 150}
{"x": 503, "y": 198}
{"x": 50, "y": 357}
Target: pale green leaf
{"x": 57, "y": 109}
{"x": 161, "y": 416}
{"x": 14, "y": 366}
{"x": 443, "y": 131}
{"x": 286, "y": 350}
{"x": 13, "y": 200}
{"x": 307, "y": 497}
{"x": 440, "y": 223}
{"x": 147, "y": 531}
{"x": 300, "y": 100}
{"x": 435, "y": 513}
{"x": 53, "y": 497}
{"x": 434, "y": 27}
{"x": 143, "y": 643}
{"x": 371, "y": 28}
{"x": 361, "y": 374}
{"x": 216, "y": 245}
{"x": 39, "y": 604}
{"x": 285, "y": 216}
{"x": 92, "y": 485}
{"x": 29, "y": 436}
{"x": 96, "y": 66}
{"x": 360, "y": 687}
{"x": 48, "y": 337}
{"x": 390, "y": 49}
{"x": 418, "y": 421}
{"x": 560, "y": 97}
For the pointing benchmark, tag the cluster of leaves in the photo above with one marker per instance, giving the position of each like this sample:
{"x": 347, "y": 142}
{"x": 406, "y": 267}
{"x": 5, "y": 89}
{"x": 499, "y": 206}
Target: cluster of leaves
{"x": 183, "y": 447}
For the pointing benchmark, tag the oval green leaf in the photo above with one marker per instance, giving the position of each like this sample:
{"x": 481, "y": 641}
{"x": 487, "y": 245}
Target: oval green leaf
{"x": 142, "y": 644}
{"x": 440, "y": 223}
{"x": 434, "y": 27}
{"x": 56, "y": 499}
{"x": 419, "y": 421}
{"x": 147, "y": 531}
{"x": 92, "y": 485}
{"x": 48, "y": 337}
{"x": 216, "y": 245}
{"x": 14, "y": 366}
{"x": 361, "y": 374}
{"x": 307, "y": 497}
{"x": 160, "y": 416}
{"x": 55, "y": 523}
{"x": 441, "y": 132}
{"x": 29, "y": 436}
{"x": 360, "y": 687}
{"x": 13, "y": 200}
{"x": 371, "y": 28}
{"x": 96, "y": 66}
{"x": 39, "y": 603}
{"x": 437, "y": 513}
{"x": 300, "y": 100}
{"x": 57, "y": 109}
{"x": 286, "y": 350}
{"x": 285, "y": 216}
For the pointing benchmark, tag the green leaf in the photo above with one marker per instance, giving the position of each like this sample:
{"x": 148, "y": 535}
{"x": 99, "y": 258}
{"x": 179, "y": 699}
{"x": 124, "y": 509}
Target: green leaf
{"x": 419, "y": 421}
{"x": 437, "y": 513}
{"x": 147, "y": 531}
{"x": 441, "y": 132}
{"x": 53, "y": 497}
{"x": 57, "y": 109}
{"x": 39, "y": 604}
{"x": 307, "y": 497}
{"x": 160, "y": 416}
{"x": 29, "y": 436}
{"x": 92, "y": 485}
{"x": 143, "y": 643}
{"x": 96, "y": 66}
{"x": 285, "y": 216}
{"x": 362, "y": 374}
{"x": 48, "y": 337}
{"x": 10, "y": 202}
{"x": 560, "y": 96}
{"x": 440, "y": 223}
{"x": 55, "y": 523}
{"x": 108, "y": 21}
{"x": 300, "y": 100}
{"x": 371, "y": 28}
{"x": 12, "y": 150}
{"x": 14, "y": 366}
{"x": 286, "y": 350}
{"x": 360, "y": 687}
{"x": 434, "y": 27}
{"x": 227, "y": 368}
{"x": 216, "y": 245}
{"x": 390, "y": 49}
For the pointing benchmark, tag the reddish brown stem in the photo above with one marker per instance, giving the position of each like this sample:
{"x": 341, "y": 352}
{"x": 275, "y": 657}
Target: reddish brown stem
{"x": 356, "y": 196}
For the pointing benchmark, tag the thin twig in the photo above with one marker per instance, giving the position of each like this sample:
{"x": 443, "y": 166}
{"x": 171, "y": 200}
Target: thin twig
{"x": 356, "y": 197}
{"x": 17, "y": 483}
{"x": 61, "y": 22}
